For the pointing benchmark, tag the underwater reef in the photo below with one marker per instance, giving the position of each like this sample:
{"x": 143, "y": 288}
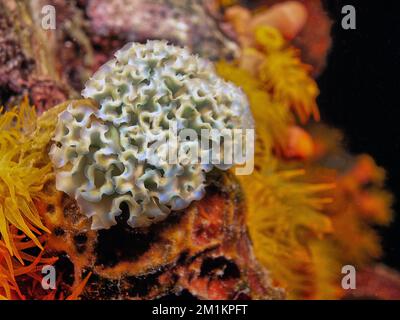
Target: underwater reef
{"x": 83, "y": 103}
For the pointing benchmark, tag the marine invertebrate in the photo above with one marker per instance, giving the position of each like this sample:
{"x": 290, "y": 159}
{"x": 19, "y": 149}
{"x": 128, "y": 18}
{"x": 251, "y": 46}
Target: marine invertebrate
{"x": 297, "y": 214}
{"x": 280, "y": 204}
{"x": 288, "y": 17}
{"x": 108, "y": 156}
{"x": 359, "y": 199}
{"x": 285, "y": 215}
{"x": 27, "y": 58}
{"x": 303, "y": 22}
{"x": 27, "y": 195}
{"x": 273, "y": 61}
{"x": 193, "y": 24}
{"x": 13, "y": 271}
{"x": 286, "y": 76}
{"x": 273, "y": 117}
{"x": 22, "y": 176}
{"x": 26, "y": 182}
{"x": 15, "y": 66}
{"x": 203, "y": 252}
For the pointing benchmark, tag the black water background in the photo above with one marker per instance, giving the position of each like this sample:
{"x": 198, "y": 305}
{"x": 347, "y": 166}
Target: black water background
{"x": 360, "y": 91}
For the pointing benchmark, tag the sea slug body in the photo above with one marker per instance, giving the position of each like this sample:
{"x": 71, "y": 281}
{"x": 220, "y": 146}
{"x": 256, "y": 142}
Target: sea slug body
{"x": 105, "y": 156}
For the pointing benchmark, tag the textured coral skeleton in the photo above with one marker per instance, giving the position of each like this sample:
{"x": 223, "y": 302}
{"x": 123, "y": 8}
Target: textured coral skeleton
{"x": 281, "y": 232}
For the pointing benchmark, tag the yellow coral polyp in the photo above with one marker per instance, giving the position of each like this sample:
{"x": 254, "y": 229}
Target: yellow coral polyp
{"x": 22, "y": 176}
{"x": 272, "y": 117}
{"x": 285, "y": 75}
{"x": 270, "y": 39}
{"x": 278, "y": 67}
{"x": 25, "y": 169}
{"x": 284, "y": 218}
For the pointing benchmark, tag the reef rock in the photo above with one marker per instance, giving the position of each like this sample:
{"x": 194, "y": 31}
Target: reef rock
{"x": 202, "y": 253}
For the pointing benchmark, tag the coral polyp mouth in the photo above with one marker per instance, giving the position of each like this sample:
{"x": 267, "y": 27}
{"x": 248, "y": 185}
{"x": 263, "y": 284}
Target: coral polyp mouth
{"x": 106, "y": 156}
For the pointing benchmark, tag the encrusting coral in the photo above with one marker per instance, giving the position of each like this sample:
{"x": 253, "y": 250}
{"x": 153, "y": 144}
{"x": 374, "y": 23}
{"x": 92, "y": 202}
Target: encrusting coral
{"x": 306, "y": 217}
{"x": 285, "y": 76}
{"x": 294, "y": 217}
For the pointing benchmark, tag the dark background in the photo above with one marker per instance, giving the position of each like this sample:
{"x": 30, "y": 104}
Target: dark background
{"x": 360, "y": 91}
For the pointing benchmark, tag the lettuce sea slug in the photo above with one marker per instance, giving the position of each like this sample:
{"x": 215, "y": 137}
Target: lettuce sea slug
{"x": 105, "y": 156}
